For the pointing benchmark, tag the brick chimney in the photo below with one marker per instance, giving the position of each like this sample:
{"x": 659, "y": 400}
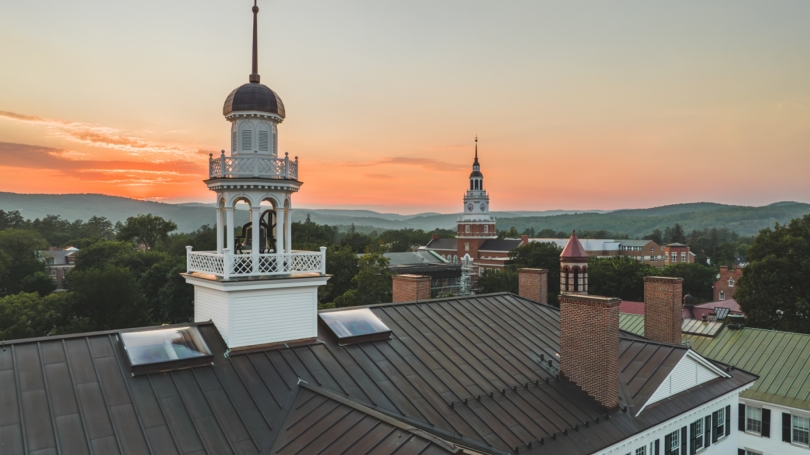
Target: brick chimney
{"x": 662, "y": 308}
{"x": 434, "y": 237}
{"x": 408, "y": 288}
{"x": 589, "y": 345}
{"x": 524, "y": 240}
{"x": 533, "y": 284}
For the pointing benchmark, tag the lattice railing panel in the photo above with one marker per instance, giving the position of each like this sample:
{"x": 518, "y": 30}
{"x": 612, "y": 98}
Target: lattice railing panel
{"x": 253, "y": 166}
{"x": 207, "y": 263}
{"x": 305, "y": 262}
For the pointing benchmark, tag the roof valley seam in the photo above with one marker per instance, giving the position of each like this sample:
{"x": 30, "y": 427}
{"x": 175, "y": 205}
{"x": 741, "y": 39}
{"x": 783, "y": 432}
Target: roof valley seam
{"x": 270, "y": 441}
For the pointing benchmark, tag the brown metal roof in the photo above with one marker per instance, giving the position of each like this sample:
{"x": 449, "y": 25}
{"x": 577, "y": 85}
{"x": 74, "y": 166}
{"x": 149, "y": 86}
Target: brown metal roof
{"x": 462, "y": 371}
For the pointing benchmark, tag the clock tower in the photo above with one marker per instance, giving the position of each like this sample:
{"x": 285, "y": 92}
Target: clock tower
{"x": 475, "y": 224}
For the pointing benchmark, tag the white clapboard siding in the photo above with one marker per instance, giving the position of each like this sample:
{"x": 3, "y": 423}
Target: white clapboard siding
{"x": 269, "y": 317}
{"x": 212, "y": 305}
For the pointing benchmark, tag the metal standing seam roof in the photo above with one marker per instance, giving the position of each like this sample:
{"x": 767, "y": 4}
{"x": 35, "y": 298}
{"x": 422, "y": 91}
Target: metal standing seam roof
{"x": 443, "y": 244}
{"x": 462, "y": 371}
{"x": 501, "y": 245}
{"x": 781, "y": 359}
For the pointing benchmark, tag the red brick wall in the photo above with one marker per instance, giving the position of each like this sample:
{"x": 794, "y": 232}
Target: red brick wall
{"x": 408, "y": 288}
{"x": 589, "y": 345}
{"x": 663, "y": 298}
{"x": 722, "y": 282}
{"x": 533, "y": 284}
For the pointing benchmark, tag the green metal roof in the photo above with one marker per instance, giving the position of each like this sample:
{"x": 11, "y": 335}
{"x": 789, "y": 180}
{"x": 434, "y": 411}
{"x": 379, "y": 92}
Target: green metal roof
{"x": 781, "y": 359}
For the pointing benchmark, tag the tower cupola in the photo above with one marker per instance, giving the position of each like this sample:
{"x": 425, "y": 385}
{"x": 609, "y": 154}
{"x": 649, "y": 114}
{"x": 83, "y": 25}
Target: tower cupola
{"x": 574, "y": 267}
{"x": 254, "y": 111}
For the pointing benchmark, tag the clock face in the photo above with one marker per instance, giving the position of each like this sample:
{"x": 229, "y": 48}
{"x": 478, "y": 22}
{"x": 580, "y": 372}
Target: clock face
{"x": 470, "y": 207}
{"x": 483, "y": 206}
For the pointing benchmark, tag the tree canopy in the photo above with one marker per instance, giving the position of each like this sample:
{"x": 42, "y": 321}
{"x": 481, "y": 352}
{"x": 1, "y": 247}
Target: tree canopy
{"x": 774, "y": 292}
{"x": 146, "y": 229}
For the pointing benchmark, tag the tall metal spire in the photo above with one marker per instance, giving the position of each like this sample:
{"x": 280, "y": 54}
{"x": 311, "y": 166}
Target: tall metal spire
{"x": 476, "y": 150}
{"x": 254, "y": 76}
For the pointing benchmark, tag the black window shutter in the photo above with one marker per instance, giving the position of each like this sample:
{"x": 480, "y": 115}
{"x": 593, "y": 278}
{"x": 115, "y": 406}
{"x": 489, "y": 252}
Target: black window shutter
{"x": 683, "y": 441}
{"x": 728, "y": 420}
{"x": 766, "y": 423}
{"x": 707, "y": 432}
{"x": 714, "y": 426}
{"x": 657, "y": 446}
{"x": 692, "y": 444}
{"x": 667, "y": 444}
{"x": 785, "y": 427}
{"x": 740, "y": 451}
{"x": 741, "y": 418}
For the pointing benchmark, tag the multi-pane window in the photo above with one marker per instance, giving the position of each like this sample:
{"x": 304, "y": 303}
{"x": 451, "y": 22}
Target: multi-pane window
{"x": 721, "y": 422}
{"x": 674, "y": 257}
{"x": 722, "y": 295}
{"x": 698, "y": 436}
{"x": 641, "y": 450}
{"x": 466, "y": 228}
{"x": 731, "y": 282}
{"x": 683, "y": 257}
{"x": 801, "y": 430}
{"x": 675, "y": 443}
{"x": 753, "y": 419}
{"x": 486, "y": 228}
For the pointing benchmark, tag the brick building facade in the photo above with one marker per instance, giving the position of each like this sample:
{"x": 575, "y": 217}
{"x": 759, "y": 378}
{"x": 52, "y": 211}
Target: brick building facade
{"x": 726, "y": 283}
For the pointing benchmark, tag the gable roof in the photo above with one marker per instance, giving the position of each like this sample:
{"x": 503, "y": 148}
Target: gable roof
{"x": 780, "y": 359}
{"x": 460, "y": 370}
{"x": 504, "y": 245}
{"x": 443, "y": 244}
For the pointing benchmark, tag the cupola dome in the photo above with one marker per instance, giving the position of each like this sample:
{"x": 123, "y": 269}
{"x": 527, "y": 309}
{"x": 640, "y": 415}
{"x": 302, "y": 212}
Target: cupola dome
{"x": 253, "y": 96}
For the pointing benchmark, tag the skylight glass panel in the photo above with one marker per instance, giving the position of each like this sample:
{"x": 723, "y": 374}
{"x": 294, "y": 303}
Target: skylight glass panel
{"x": 164, "y": 349}
{"x": 355, "y": 325}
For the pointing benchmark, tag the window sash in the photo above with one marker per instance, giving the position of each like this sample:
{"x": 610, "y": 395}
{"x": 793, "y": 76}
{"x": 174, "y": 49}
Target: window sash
{"x": 698, "y": 436}
{"x": 801, "y": 430}
{"x": 675, "y": 443}
{"x": 753, "y": 419}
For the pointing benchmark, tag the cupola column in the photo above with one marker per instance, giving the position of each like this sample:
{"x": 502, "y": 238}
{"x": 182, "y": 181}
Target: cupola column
{"x": 229, "y": 226}
{"x": 288, "y": 228}
{"x": 280, "y": 230}
{"x": 255, "y": 230}
{"x": 219, "y": 229}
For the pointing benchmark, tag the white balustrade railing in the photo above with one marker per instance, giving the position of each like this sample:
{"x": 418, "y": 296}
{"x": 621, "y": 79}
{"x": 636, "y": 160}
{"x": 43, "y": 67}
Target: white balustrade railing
{"x": 228, "y": 265}
{"x": 252, "y": 166}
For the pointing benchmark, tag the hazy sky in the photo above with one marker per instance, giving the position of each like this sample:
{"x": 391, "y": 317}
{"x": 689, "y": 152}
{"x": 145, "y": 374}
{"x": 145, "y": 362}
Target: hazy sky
{"x": 578, "y": 105}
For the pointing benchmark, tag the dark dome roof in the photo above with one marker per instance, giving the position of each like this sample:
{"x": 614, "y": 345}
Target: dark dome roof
{"x": 253, "y": 97}
{"x": 476, "y": 174}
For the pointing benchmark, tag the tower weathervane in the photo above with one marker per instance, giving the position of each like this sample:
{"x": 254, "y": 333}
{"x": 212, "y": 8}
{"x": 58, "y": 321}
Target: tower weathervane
{"x": 254, "y": 76}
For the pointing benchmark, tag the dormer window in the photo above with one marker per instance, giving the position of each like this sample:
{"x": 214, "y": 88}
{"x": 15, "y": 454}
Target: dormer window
{"x": 722, "y": 295}
{"x": 731, "y": 282}
{"x": 163, "y": 349}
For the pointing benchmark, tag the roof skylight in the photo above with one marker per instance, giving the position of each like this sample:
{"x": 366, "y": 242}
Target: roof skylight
{"x": 165, "y": 349}
{"x": 355, "y": 326}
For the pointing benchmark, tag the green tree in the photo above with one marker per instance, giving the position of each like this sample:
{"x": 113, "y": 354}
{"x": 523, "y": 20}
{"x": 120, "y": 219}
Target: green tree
{"x": 110, "y": 298}
{"x": 372, "y": 284}
{"x": 698, "y": 279}
{"x": 98, "y": 227}
{"x": 541, "y": 255}
{"x": 27, "y": 315}
{"x": 101, "y": 253}
{"x": 357, "y": 241}
{"x": 40, "y": 282}
{"x": 12, "y": 220}
{"x": 146, "y": 229}
{"x": 342, "y": 263}
{"x": 499, "y": 281}
{"x": 169, "y": 299}
{"x": 774, "y": 292}
{"x": 510, "y": 233}
{"x": 20, "y": 257}
{"x": 619, "y": 276}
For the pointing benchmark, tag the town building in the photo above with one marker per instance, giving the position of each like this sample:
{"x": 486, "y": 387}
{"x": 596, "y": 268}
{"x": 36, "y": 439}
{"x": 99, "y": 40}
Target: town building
{"x": 445, "y": 276}
{"x": 726, "y": 283}
{"x": 645, "y": 251}
{"x": 59, "y": 262}
{"x": 476, "y": 237}
{"x": 262, "y": 371}
{"x": 773, "y": 416}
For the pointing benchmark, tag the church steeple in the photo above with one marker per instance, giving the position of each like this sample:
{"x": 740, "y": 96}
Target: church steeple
{"x": 476, "y": 177}
{"x": 254, "y": 76}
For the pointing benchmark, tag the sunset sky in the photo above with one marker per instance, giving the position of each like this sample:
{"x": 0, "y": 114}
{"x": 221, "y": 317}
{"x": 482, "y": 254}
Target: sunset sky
{"x": 578, "y": 105}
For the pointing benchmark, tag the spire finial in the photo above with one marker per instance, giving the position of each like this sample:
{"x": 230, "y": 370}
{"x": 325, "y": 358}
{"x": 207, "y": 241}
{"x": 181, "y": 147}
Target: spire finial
{"x": 476, "y": 147}
{"x": 254, "y": 76}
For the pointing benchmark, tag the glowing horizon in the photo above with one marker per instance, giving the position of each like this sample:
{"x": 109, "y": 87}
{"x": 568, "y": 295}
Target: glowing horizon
{"x": 577, "y": 108}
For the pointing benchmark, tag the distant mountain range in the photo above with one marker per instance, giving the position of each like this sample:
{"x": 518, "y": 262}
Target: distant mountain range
{"x": 635, "y": 222}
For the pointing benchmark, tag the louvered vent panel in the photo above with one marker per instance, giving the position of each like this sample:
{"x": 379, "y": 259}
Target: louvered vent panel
{"x": 264, "y": 141}
{"x": 233, "y": 141}
{"x": 247, "y": 140}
